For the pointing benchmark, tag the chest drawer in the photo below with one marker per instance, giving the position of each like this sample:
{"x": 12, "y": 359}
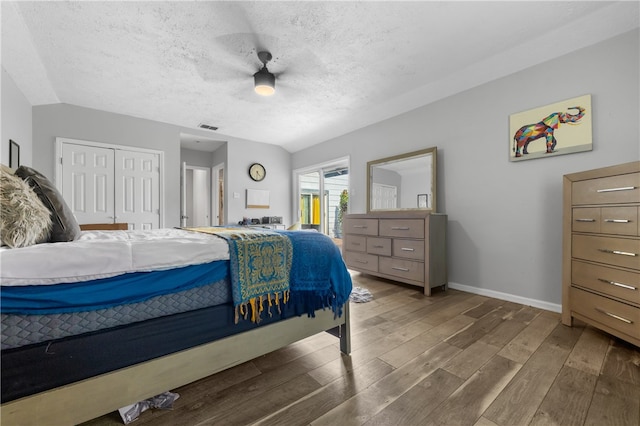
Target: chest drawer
{"x": 361, "y": 226}
{"x": 607, "y": 190}
{"x": 406, "y": 269}
{"x": 586, "y": 219}
{"x": 408, "y": 228}
{"x": 410, "y": 249}
{"x": 614, "y": 282}
{"x": 623, "y": 252}
{"x": 361, "y": 261}
{"x": 619, "y": 220}
{"x": 355, "y": 243}
{"x": 611, "y": 313}
{"x": 381, "y": 246}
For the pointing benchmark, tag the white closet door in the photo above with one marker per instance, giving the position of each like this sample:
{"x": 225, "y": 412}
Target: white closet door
{"x": 87, "y": 182}
{"x": 137, "y": 189}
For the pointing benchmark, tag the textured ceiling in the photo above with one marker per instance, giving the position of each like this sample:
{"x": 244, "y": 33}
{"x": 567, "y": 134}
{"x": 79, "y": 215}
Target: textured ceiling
{"x": 339, "y": 65}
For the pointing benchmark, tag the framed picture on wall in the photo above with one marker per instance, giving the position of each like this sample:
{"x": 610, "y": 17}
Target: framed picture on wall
{"x": 14, "y": 154}
{"x": 556, "y": 129}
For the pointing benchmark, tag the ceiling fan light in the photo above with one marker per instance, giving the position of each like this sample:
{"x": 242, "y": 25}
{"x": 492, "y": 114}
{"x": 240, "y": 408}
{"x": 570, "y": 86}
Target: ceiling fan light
{"x": 265, "y": 82}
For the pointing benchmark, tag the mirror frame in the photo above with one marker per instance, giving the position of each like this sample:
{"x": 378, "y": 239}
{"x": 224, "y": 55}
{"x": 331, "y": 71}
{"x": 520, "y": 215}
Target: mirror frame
{"x": 434, "y": 155}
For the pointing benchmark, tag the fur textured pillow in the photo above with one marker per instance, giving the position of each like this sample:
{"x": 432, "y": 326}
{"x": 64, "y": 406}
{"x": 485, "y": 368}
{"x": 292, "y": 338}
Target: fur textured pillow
{"x": 24, "y": 219}
{"x": 64, "y": 224}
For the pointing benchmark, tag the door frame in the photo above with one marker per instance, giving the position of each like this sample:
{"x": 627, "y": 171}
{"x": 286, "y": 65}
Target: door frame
{"x": 58, "y": 164}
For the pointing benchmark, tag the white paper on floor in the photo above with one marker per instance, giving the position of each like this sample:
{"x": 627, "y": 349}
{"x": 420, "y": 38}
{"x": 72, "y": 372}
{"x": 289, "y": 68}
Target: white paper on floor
{"x": 360, "y": 295}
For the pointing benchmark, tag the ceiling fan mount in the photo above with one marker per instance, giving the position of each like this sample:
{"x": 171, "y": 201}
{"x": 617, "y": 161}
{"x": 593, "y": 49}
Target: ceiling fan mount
{"x": 264, "y": 57}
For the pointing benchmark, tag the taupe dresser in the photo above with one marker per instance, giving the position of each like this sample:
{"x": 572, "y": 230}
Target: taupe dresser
{"x": 409, "y": 247}
{"x": 601, "y": 250}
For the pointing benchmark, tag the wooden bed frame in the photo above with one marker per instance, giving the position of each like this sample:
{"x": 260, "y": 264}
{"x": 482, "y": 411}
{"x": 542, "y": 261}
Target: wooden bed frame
{"x": 96, "y": 396}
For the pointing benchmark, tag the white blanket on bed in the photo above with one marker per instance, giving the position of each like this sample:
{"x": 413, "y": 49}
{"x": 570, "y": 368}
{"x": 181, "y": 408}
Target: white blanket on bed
{"x": 102, "y": 254}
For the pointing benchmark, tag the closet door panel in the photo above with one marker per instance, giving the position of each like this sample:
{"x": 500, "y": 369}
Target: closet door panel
{"x": 137, "y": 191}
{"x": 88, "y": 182}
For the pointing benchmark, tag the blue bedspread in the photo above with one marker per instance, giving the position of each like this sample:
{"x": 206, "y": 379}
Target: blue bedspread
{"x": 318, "y": 273}
{"x": 108, "y": 292}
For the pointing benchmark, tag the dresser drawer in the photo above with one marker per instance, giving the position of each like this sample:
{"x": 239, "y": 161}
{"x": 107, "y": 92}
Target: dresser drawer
{"x": 623, "y": 252}
{"x": 614, "y": 282}
{"x": 409, "y": 228}
{"x": 355, "y": 243}
{"x": 607, "y": 190}
{"x": 616, "y": 315}
{"x": 586, "y": 219}
{"x": 410, "y": 249}
{"x": 381, "y": 246}
{"x": 406, "y": 269}
{"x": 363, "y": 261}
{"x": 619, "y": 220}
{"x": 361, "y": 226}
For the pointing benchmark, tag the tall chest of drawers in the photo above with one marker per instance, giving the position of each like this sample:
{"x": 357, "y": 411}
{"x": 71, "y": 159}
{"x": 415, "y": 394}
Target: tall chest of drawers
{"x": 601, "y": 250}
{"x": 409, "y": 247}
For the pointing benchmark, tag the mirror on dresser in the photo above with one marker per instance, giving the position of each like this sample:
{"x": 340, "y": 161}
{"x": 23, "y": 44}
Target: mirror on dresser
{"x": 403, "y": 182}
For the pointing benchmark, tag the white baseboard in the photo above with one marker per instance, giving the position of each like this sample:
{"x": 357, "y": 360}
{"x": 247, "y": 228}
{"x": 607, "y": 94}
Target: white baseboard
{"x": 553, "y": 307}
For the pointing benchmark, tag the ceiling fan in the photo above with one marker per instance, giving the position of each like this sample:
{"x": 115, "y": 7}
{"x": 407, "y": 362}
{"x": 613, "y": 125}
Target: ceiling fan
{"x": 264, "y": 81}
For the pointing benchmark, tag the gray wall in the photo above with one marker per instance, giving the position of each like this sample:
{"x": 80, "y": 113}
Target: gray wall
{"x": 196, "y": 158}
{"x": 16, "y": 121}
{"x": 277, "y": 162}
{"x": 505, "y": 227}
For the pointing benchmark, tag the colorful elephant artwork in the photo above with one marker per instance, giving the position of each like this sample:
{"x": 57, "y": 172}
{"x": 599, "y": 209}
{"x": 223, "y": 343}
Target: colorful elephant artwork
{"x": 544, "y": 129}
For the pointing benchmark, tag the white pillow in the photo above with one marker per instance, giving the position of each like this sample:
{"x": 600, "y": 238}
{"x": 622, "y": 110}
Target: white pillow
{"x": 24, "y": 219}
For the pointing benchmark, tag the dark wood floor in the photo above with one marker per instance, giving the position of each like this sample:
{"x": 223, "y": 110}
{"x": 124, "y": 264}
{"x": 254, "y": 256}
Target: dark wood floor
{"x": 451, "y": 359}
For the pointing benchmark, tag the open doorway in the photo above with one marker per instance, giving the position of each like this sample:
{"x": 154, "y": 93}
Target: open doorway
{"x": 196, "y": 196}
{"x": 218, "y": 195}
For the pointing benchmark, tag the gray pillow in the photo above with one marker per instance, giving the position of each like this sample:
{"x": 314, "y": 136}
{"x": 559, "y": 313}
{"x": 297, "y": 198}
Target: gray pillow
{"x": 65, "y": 226}
{"x": 24, "y": 219}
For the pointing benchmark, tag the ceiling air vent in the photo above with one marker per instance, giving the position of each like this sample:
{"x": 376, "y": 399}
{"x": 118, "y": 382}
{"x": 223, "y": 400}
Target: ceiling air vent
{"x": 206, "y": 126}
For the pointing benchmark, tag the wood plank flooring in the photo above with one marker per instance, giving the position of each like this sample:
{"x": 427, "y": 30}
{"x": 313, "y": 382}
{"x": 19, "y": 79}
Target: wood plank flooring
{"x": 451, "y": 359}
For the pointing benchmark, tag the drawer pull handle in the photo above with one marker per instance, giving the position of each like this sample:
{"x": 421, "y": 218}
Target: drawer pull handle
{"x": 407, "y": 249}
{"x": 585, "y": 220}
{"x": 628, "y": 287}
{"x": 400, "y": 228}
{"x": 360, "y": 226}
{"x": 362, "y": 261}
{"x": 619, "y": 318}
{"x": 378, "y": 246}
{"x": 355, "y": 244}
{"x": 624, "y": 188}
{"x": 622, "y": 253}
{"x": 617, "y": 220}
{"x": 397, "y": 268}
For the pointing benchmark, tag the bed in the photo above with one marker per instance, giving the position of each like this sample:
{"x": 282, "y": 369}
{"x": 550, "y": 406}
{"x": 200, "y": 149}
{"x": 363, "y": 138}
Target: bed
{"x": 115, "y": 317}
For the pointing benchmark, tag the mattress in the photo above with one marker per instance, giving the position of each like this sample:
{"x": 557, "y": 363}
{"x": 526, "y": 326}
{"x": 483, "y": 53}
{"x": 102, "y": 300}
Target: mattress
{"x": 107, "y": 279}
{"x": 102, "y": 254}
{"x": 24, "y": 329}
